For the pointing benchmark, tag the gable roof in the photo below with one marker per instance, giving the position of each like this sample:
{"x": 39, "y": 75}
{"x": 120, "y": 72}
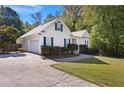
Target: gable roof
{"x": 38, "y": 29}
{"x": 80, "y": 33}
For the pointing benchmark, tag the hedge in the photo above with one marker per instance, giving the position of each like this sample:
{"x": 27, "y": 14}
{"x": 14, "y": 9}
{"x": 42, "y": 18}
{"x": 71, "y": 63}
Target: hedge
{"x": 83, "y": 49}
{"x": 45, "y": 50}
{"x": 92, "y": 51}
{"x": 65, "y": 50}
{"x": 73, "y": 47}
{"x": 55, "y": 50}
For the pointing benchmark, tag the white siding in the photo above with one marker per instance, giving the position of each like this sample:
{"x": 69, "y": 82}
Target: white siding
{"x": 58, "y": 38}
{"x": 32, "y": 43}
{"x": 81, "y": 41}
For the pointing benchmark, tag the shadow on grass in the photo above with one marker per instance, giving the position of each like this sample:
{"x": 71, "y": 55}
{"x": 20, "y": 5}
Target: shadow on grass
{"x": 92, "y": 60}
{"x": 15, "y": 54}
{"x": 61, "y": 56}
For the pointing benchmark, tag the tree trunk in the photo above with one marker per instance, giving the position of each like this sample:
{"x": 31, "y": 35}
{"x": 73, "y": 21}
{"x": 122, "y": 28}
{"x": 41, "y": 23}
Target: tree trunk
{"x": 73, "y": 27}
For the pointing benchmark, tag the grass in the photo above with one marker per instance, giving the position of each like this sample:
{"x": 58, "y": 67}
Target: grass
{"x": 100, "y": 70}
{"x": 62, "y": 56}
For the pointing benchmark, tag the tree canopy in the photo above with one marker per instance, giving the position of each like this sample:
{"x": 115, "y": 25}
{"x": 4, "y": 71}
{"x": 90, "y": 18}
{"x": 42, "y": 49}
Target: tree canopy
{"x": 49, "y": 17}
{"x": 106, "y": 26}
{"x": 8, "y": 34}
{"x": 10, "y": 25}
{"x": 37, "y": 18}
{"x": 72, "y": 16}
{"x": 9, "y": 17}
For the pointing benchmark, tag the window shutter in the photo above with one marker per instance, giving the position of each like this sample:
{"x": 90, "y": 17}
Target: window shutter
{"x": 51, "y": 41}
{"x": 64, "y": 42}
{"x": 44, "y": 41}
{"x": 61, "y": 28}
{"x": 69, "y": 41}
{"x": 55, "y": 26}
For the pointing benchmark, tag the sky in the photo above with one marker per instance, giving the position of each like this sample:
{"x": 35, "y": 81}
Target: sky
{"x": 25, "y": 11}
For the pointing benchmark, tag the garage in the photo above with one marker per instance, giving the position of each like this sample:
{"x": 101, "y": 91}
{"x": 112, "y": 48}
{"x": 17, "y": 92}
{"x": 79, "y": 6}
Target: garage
{"x": 34, "y": 46}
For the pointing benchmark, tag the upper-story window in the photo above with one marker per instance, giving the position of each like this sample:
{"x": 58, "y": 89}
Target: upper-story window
{"x": 58, "y": 26}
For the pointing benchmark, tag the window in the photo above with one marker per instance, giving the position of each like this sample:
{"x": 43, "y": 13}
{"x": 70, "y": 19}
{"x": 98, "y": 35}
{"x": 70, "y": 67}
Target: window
{"x": 58, "y": 26}
{"x": 66, "y": 42}
{"x": 69, "y": 41}
{"x": 85, "y": 42}
{"x": 48, "y": 41}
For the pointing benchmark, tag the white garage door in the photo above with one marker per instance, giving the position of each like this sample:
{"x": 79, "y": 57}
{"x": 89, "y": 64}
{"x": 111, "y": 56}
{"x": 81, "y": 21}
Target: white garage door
{"x": 34, "y": 46}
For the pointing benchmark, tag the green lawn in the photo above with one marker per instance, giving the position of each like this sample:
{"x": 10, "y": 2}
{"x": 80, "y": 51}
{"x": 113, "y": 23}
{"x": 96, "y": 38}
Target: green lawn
{"x": 100, "y": 70}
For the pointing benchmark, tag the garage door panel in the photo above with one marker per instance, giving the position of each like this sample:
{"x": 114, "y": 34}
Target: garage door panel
{"x": 34, "y": 46}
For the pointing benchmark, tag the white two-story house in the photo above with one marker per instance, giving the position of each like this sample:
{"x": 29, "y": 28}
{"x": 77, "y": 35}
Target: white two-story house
{"x": 53, "y": 33}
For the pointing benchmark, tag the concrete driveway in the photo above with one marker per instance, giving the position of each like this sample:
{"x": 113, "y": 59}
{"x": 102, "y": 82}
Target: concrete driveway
{"x": 81, "y": 56}
{"x": 30, "y": 70}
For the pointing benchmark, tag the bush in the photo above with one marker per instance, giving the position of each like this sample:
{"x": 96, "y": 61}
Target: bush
{"x": 83, "y": 49}
{"x": 65, "y": 50}
{"x": 22, "y": 49}
{"x": 120, "y": 54}
{"x": 55, "y": 50}
{"x": 92, "y": 51}
{"x": 45, "y": 50}
{"x": 73, "y": 47}
{"x": 49, "y": 50}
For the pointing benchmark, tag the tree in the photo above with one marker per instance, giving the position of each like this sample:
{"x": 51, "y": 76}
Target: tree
{"x": 37, "y": 18}
{"x": 9, "y": 17}
{"x": 8, "y": 34}
{"x": 106, "y": 26}
{"x": 27, "y": 27}
{"x": 10, "y": 25}
{"x": 49, "y": 17}
{"x": 72, "y": 16}
{"x": 57, "y": 14}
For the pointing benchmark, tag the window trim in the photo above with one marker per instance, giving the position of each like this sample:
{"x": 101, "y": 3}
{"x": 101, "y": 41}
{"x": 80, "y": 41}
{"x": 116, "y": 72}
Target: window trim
{"x": 58, "y": 26}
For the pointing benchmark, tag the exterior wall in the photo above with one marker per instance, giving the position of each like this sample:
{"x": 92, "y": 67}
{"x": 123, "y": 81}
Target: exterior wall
{"x": 28, "y": 44}
{"x": 80, "y": 41}
{"x": 57, "y": 35}
{"x": 58, "y": 38}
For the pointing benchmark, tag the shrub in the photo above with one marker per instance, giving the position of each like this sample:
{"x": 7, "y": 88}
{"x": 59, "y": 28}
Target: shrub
{"x": 65, "y": 50}
{"x": 120, "y": 55}
{"x": 21, "y": 49}
{"x": 55, "y": 50}
{"x": 92, "y": 51}
{"x": 49, "y": 50}
{"x": 73, "y": 47}
{"x": 83, "y": 49}
{"x": 45, "y": 50}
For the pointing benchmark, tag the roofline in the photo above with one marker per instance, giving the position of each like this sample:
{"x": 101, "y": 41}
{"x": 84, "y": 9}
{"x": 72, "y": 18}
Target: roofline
{"x": 79, "y": 30}
{"x": 37, "y": 26}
